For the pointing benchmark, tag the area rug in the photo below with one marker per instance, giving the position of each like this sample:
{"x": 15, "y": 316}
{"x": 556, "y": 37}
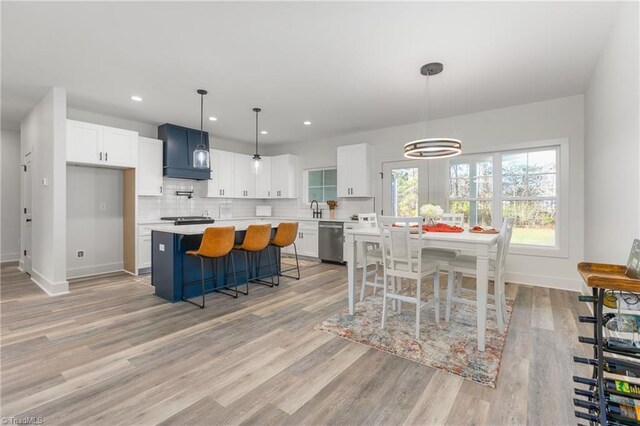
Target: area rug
{"x": 451, "y": 347}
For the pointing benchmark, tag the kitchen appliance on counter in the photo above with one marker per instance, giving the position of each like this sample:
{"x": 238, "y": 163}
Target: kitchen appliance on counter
{"x": 189, "y": 220}
{"x": 331, "y": 241}
{"x": 263, "y": 211}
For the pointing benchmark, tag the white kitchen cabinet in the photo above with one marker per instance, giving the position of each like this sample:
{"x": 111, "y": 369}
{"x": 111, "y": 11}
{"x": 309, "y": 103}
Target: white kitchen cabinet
{"x": 97, "y": 145}
{"x": 149, "y": 171}
{"x": 222, "y": 174}
{"x": 144, "y": 247}
{"x": 284, "y": 176}
{"x": 306, "y": 240}
{"x": 244, "y": 180}
{"x": 355, "y": 167}
{"x": 263, "y": 179}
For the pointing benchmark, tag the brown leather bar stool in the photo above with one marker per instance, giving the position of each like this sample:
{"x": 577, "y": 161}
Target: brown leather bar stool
{"x": 216, "y": 243}
{"x": 255, "y": 240}
{"x": 285, "y": 236}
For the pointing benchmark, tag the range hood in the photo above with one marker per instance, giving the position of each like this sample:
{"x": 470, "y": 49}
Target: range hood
{"x": 178, "y": 146}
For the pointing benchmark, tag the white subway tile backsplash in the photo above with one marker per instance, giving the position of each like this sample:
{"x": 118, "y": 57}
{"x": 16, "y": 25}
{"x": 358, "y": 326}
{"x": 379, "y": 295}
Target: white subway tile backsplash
{"x": 151, "y": 208}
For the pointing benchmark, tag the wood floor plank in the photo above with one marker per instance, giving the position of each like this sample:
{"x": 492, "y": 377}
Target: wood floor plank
{"x": 437, "y": 400}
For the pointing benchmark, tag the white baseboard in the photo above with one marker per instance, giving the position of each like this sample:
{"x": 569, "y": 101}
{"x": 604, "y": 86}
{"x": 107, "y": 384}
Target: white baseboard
{"x": 21, "y": 265}
{"x": 87, "y": 271}
{"x": 544, "y": 281}
{"x": 9, "y": 257}
{"x": 52, "y": 289}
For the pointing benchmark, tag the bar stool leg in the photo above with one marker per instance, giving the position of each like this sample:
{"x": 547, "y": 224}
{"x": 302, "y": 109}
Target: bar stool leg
{"x": 280, "y": 273}
{"x": 246, "y": 263}
{"x": 202, "y": 285}
{"x": 257, "y": 279}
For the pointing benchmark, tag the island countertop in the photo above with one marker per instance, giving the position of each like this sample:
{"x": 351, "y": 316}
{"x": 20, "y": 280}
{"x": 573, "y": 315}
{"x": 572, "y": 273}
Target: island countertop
{"x": 240, "y": 225}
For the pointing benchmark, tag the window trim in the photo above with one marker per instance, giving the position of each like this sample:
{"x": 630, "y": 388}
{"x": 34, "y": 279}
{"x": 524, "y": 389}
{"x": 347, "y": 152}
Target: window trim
{"x": 561, "y": 248}
{"x": 305, "y": 184}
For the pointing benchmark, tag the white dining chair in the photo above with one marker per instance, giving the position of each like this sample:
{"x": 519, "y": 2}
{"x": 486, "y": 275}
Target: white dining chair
{"x": 454, "y": 219}
{"x": 444, "y": 255}
{"x": 404, "y": 260}
{"x": 467, "y": 265}
{"x": 371, "y": 256}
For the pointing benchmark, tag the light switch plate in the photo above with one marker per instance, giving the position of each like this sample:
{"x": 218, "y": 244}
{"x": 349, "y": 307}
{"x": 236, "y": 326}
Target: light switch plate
{"x": 161, "y": 247}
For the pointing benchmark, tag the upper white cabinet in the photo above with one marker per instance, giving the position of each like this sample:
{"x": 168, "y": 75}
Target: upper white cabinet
{"x": 231, "y": 176}
{"x": 222, "y": 174}
{"x": 97, "y": 145}
{"x": 149, "y": 171}
{"x": 263, "y": 179}
{"x": 284, "y": 174}
{"x": 355, "y": 166}
{"x": 244, "y": 185}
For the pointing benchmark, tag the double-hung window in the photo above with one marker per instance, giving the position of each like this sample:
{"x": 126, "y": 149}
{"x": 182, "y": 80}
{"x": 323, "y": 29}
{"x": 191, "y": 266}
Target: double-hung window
{"x": 523, "y": 184}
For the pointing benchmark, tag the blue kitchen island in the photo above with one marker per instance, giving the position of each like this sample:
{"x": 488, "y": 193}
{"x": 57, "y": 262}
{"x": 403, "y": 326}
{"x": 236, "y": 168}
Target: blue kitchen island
{"x": 171, "y": 266}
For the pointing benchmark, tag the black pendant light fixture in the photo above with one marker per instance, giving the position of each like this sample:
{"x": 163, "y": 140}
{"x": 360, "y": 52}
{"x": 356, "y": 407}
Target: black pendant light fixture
{"x": 432, "y": 148}
{"x": 255, "y": 165}
{"x": 201, "y": 153}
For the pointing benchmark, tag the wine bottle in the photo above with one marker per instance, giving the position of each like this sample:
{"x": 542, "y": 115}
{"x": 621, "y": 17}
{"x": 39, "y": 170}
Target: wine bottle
{"x": 631, "y": 318}
{"x": 623, "y": 411}
{"x": 620, "y": 387}
{"x": 613, "y": 366}
{"x": 608, "y": 397}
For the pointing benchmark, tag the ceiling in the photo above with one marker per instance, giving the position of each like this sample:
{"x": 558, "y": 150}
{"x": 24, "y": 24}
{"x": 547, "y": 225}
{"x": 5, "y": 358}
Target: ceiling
{"x": 346, "y": 67}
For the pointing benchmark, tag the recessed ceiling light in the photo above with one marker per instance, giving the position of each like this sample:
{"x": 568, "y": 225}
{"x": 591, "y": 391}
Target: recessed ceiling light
{"x": 307, "y": 123}
{"x": 136, "y": 98}
{"x": 264, "y": 132}
{"x": 212, "y": 118}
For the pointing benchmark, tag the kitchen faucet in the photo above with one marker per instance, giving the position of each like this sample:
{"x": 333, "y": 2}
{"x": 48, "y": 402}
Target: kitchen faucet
{"x": 317, "y": 213}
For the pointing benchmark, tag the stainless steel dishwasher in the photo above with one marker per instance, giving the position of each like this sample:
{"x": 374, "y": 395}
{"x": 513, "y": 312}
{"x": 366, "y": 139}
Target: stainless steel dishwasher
{"x": 330, "y": 241}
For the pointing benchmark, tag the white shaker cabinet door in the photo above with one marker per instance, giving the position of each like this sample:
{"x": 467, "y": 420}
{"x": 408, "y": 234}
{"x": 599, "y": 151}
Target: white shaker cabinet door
{"x": 120, "y": 147}
{"x": 84, "y": 142}
{"x": 149, "y": 167}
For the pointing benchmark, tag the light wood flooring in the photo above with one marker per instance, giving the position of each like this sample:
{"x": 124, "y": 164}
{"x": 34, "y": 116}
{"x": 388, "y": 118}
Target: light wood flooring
{"x": 111, "y": 353}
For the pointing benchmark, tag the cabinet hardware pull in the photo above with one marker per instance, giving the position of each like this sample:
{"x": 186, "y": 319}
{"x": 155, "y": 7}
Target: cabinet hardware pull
{"x": 161, "y": 189}
{"x": 106, "y": 156}
{"x": 100, "y": 156}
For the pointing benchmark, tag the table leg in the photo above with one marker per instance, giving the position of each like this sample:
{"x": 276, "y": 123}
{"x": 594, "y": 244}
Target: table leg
{"x": 482, "y": 288}
{"x": 351, "y": 258}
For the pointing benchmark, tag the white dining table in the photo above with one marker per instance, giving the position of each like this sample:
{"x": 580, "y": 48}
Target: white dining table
{"x": 478, "y": 244}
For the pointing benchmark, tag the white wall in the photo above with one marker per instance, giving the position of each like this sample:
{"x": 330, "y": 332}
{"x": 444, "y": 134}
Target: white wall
{"x": 94, "y": 220}
{"x": 43, "y": 133}
{"x": 612, "y": 145}
{"x": 489, "y": 130}
{"x": 150, "y": 130}
{"x": 10, "y": 225}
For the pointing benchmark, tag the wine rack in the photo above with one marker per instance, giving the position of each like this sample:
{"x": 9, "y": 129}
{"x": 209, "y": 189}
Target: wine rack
{"x": 608, "y": 400}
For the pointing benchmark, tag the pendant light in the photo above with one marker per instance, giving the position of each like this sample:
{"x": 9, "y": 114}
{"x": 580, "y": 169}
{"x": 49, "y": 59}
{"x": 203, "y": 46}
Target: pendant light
{"x": 432, "y": 148}
{"x": 255, "y": 164}
{"x": 201, "y": 153}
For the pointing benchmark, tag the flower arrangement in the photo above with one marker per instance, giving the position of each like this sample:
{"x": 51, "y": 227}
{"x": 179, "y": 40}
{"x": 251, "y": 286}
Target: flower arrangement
{"x": 431, "y": 212}
{"x": 332, "y": 204}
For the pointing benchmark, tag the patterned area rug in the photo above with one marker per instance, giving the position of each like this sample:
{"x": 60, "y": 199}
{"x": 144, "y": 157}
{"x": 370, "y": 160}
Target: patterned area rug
{"x": 451, "y": 347}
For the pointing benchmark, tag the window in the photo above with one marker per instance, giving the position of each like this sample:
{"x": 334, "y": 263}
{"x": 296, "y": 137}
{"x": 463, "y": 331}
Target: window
{"x": 529, "y": 194}
{"x": 322, "y": 185}
{"x": 471, "y": 189}
{"x": 404, "y": 191}
{"x": 522, "y": 184}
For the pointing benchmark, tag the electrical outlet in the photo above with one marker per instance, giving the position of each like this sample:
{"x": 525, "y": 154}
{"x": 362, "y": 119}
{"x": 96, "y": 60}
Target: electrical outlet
{"x": 80, "y": 254}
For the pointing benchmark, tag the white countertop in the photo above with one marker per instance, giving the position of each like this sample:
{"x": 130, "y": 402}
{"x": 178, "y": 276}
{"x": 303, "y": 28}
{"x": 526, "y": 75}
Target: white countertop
{"x": 258, "y": 219}
{"x": 240, "y": 224}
